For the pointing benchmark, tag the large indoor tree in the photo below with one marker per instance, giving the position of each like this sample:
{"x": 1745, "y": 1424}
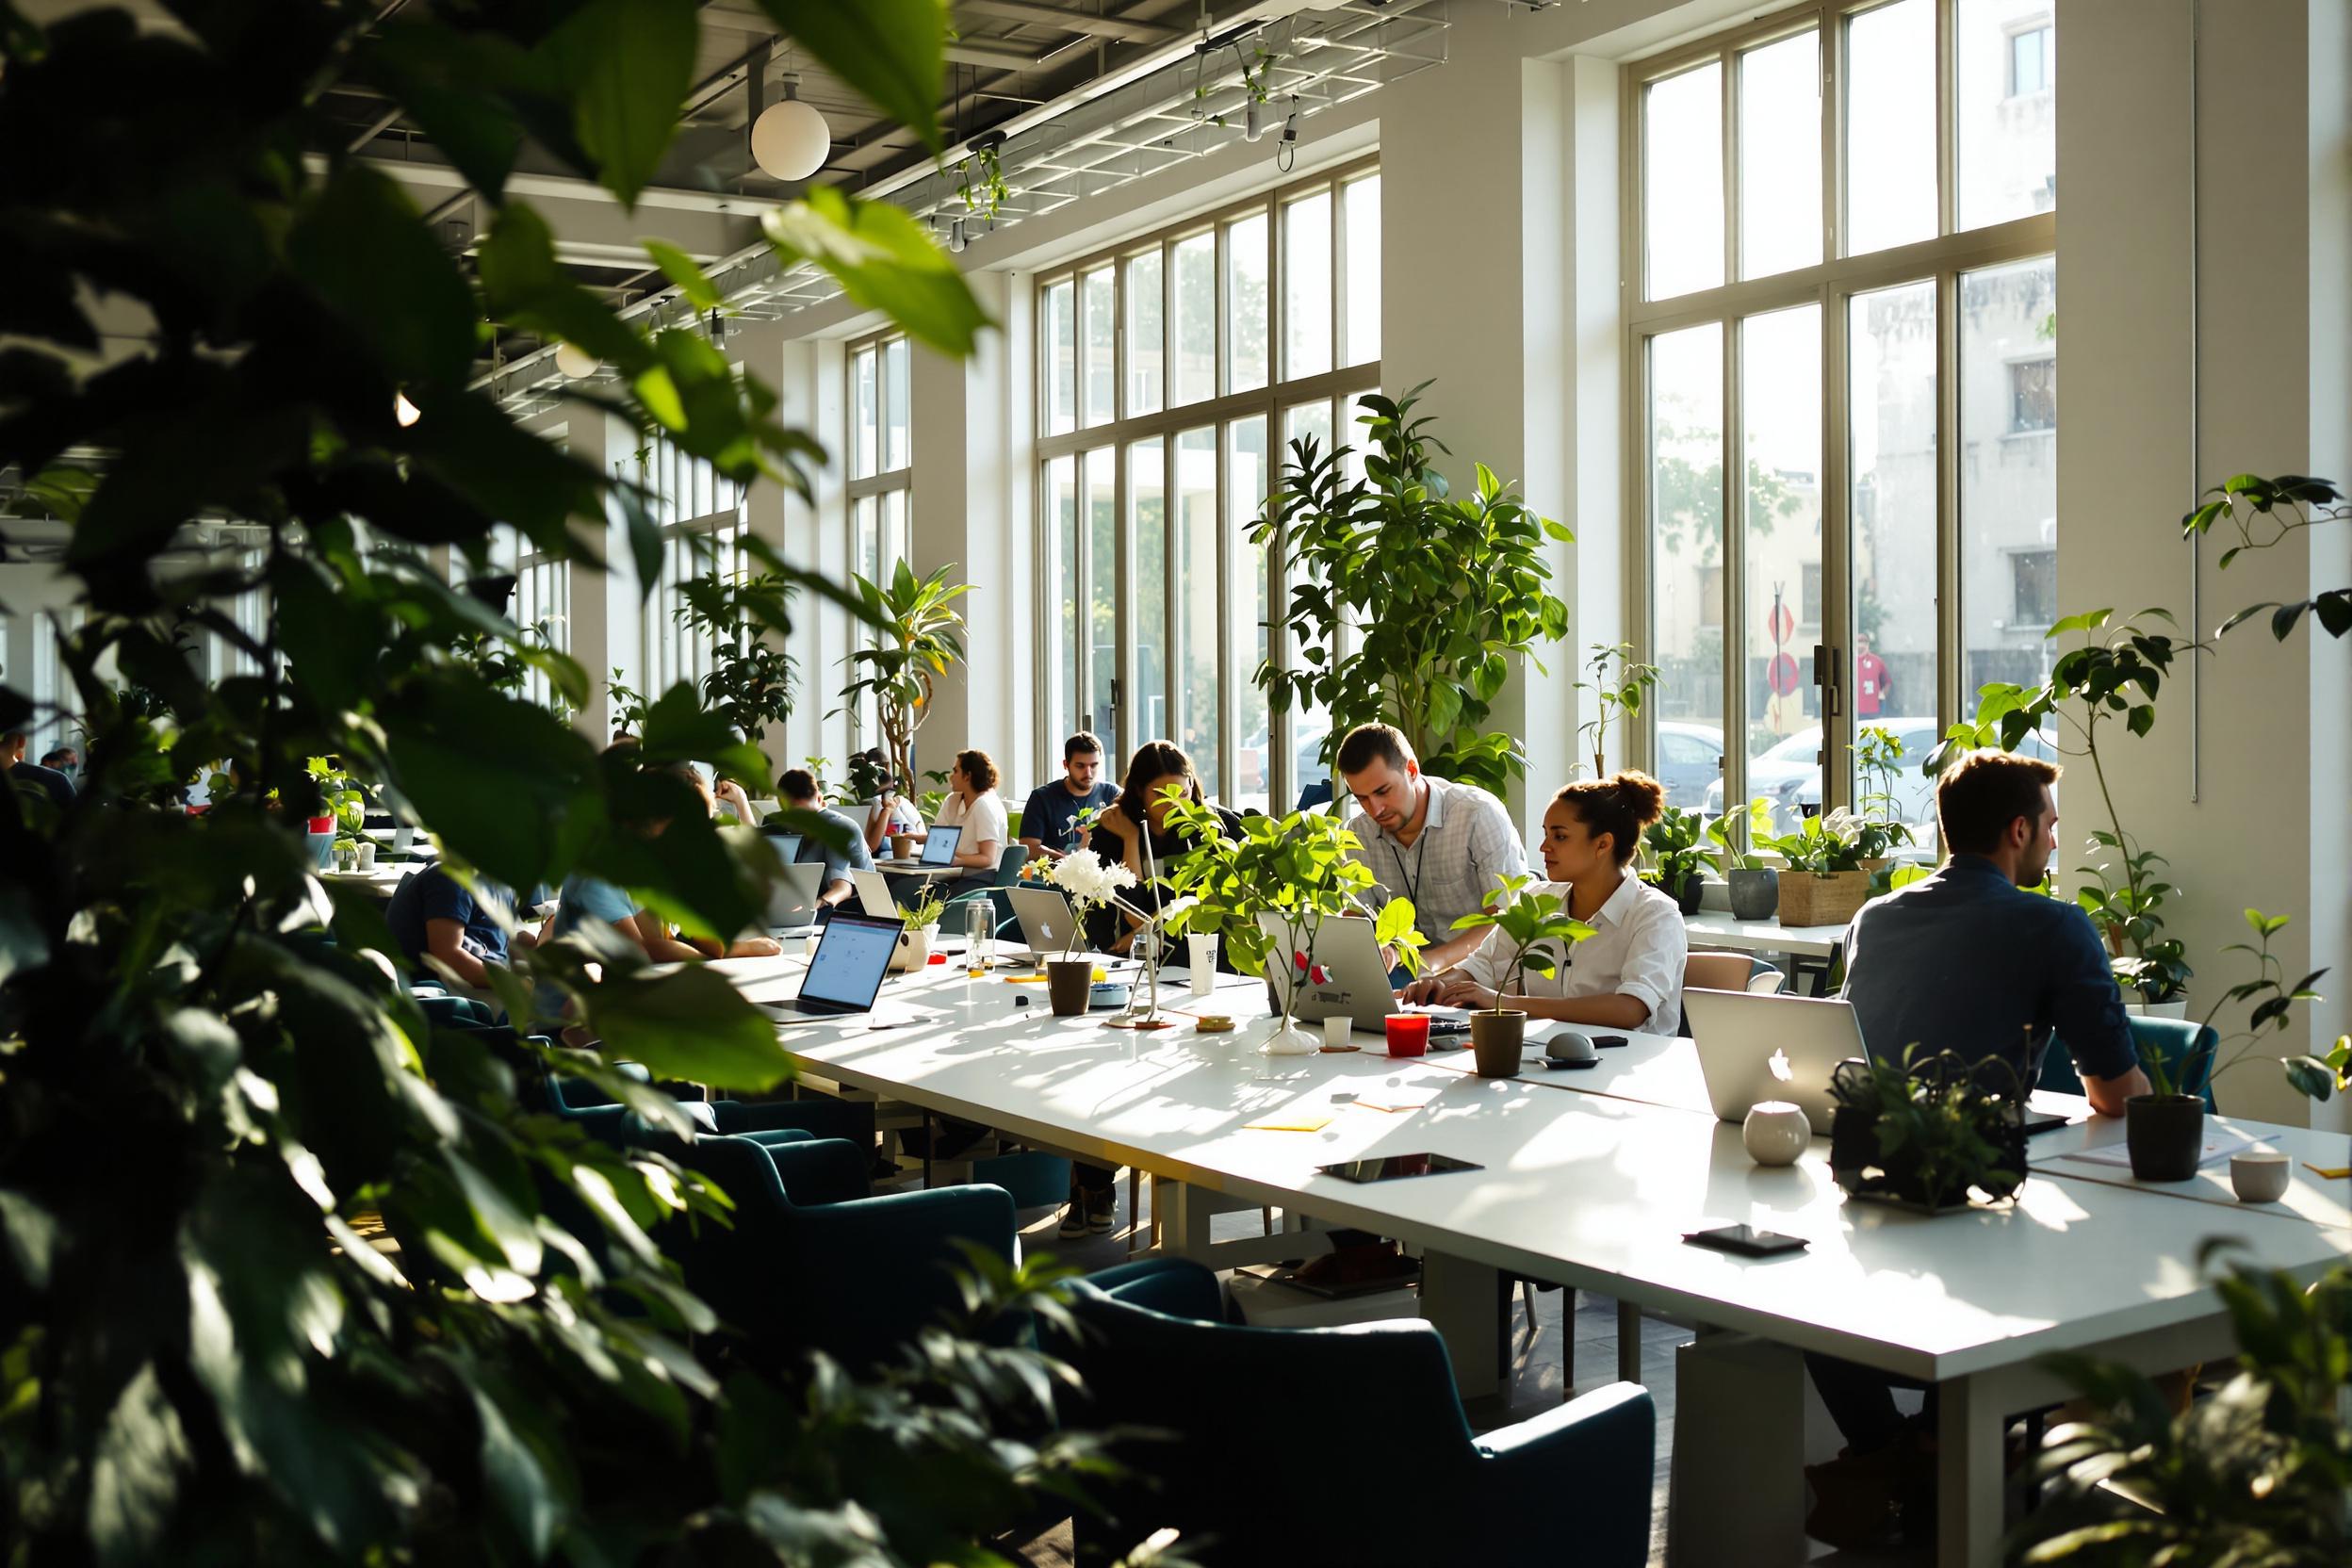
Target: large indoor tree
{"x": 288, "y": 1275}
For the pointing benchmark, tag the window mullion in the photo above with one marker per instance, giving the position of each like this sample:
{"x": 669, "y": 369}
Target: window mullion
{"x": 1950, "y": 633}
{"x": 1734, "y": 546}
{"x": 1837, "y": 546}
{"x": 1947, "y": 126}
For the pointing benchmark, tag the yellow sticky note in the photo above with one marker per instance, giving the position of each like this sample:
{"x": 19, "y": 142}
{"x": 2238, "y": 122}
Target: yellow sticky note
{"x": 2333, "y": 1173}
{"x": 1288, "y": 1124}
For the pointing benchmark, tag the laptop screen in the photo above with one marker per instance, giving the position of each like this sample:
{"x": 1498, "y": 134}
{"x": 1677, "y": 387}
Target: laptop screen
{"x": 938, "y": 845}
{"x": 787, "y": 847}
{"x": 852, "y": 957}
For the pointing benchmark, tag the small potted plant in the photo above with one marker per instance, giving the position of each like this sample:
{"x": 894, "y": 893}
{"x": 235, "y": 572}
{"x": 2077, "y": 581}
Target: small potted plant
{"x": 1527, "y": 920}
{"x": 1823, "y": 882}
{"x": 1670, "y": 844}
{"x": 1879, "y": 830}
{"x": 923, "y": 927}
{"x": 1088, "y": 882}
{"x": 1753, "y": 887}
{"x": 344, "y": 821}
{"x": 1922, "y": 1134}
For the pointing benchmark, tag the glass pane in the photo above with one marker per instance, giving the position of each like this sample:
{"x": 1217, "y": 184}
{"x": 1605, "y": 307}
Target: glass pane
{"x": 1682, "y": 184}
{"x": 1195, "y": 318}
{"x": 1061, "y": 347}
{"x": 1247, "y": 484}
{"x": 1780, "y": 410}
{"x": 1102, "y": 602}
{"x": 1098, "y": 380}
{"x": 2009, "y": 471}
{"x": 866, "y": 558}
{"x": 1890, "y": 377}
{"x": 2007, "y": 63}
{"x": 1891, "y": 126}
{"x": 1780, "y": 157}
{"x": 894, "y": 543}
{"x": 1685, "y": 495}
{"x": 1143, "y": 332}
{"x": 1306, "y": 285}
{"x": 1194, "y": 636}
{"x": 1147, "y": 585}
{"x": 861, "y": 439}
{"x": 1360, "y": 328}
{"x": 895, "y": 451}
{"x": 1245, "y": 304}
{"x": 1310, "y": 723}
{"x": 1061, "y": 575}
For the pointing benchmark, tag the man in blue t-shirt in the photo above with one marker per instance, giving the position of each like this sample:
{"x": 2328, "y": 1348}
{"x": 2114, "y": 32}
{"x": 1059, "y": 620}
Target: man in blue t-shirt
{"x": 797, "y": 788}
{"x": 1048, "y": 822}
{"x": 433, "y": 913}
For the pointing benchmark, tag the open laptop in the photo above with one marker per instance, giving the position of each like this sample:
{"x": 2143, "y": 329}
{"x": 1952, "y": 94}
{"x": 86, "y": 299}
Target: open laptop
{"x": 1757, "y": 1047}
{"x": 1046, "y": 920}
{"x": 787, "y": 847}
{"x": 846, "y": 973}
{"x": 939, "y": 849}
{"x": 1356, "y": 981}
{"x": 792, "y": 901}
{"x": 873, "y": 895}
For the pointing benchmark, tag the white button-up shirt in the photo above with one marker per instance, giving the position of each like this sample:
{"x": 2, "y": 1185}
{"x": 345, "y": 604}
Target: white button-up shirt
{"x": 1449, "y": 869}
{"x": 1638, "y": 948}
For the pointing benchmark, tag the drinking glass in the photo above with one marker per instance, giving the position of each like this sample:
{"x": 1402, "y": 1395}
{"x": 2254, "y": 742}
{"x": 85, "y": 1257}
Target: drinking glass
{"x": 979, "y": 937}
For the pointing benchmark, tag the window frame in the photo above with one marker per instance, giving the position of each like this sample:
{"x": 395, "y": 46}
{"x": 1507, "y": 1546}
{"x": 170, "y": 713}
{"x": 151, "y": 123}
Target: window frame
{"x": 891, "y": 546}
{"x": 1336, "y": 387}
{"x": 1831, "y": 283}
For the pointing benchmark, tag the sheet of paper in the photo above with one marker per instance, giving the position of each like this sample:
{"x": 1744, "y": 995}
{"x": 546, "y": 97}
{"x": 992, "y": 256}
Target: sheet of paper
{"x": 2218, "y": 1145}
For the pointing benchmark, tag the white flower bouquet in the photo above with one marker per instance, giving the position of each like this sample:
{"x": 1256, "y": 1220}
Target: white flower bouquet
{"x": 1088, "y": 882}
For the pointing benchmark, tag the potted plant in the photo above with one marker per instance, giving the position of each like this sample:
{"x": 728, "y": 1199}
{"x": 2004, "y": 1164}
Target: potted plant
{"x": 1670, "y": 844}
{"x": 917, "y": 637}
{"x": 1298, "y": 869}
{"x": 1527, "y": 920}
{"x": 1921, "y": 1135}
{"x": 1089, "y": 882}
{"x": 1877, "y": 759}
{"x": 336, "y": 831}
{"x": 1823, "y": 882}
{"x": 1617, "y": 684}
{"x": 923, "y": 927}
{"x": 746, "y": 615}
{"x": 1753, "y": 887}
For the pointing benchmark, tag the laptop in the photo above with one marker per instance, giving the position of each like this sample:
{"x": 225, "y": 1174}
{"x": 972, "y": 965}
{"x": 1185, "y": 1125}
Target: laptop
{"x": 1753, "y": 1047}
{"x": 787, "y": 847}
{"x": 846, "y": 974}
{"x": 939, "y": 849}
{"x": 792, "y": 901}
{"x": 1356, "y": 981}
{"x": 873, "y": 895}
{"x": 1046, "y": 920}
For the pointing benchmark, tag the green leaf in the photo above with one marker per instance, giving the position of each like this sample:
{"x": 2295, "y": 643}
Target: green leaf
{"x": 524, "y": 285}
{"x": 892, "y": 52}
{"x": 143, "y": 1451}
{"x": 363, "y": 247}
{"x": 681, "y": 270}
{"x": 2090, "y": 620}
{"x": 2310, "y": 1077}
{"x": 691, "y": 1024}
{"x": 883, "y": 261}
{"x": 626, "y": 65}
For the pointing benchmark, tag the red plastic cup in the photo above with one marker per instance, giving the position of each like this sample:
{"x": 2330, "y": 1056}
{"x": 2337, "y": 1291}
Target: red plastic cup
{"x": 1408, "y": 1033}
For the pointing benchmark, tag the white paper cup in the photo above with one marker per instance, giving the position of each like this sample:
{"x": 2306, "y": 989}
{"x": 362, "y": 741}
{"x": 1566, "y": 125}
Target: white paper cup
{"x": 1337, "y": 1028}
{"x": 1201, "y": 961}
{"x": 2260, "y": 1176}
{"x": 367, "y": 854}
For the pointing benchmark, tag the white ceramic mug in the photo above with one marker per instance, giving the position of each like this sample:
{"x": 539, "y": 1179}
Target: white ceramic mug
{"x": 1776, "y": 1132}
{"x": 1201, "y": 961}
{"x": 367, "y": 854}
{"x": 1336, "y": 1029}
{"x": 2260, "y": 1176}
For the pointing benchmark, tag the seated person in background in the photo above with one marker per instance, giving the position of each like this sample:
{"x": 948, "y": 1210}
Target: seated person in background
{"x": 728, "y": 798}
{"x": 585, "y": 898}
{"x": 433, "y": 914}
{"x": 887, "y": 810}
{"x": 1628, "y": 973}
{"x": 1048, "y": 822}
{"x": 1441, "y": 844}
{"x": 797, "y": 787}
{"x": 1157, "y": 768}
{"x": 64, "y": 759}
{"x": 32, "y": 775}
{"x": 973, "y": 804}
{"x": 1971, "y": 960}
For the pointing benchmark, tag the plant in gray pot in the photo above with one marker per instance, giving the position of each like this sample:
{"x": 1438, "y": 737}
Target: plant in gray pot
{"x": 1670, "y": 846}
{"x": 1538, "y": 931}
{"x": 1754, "y": 887}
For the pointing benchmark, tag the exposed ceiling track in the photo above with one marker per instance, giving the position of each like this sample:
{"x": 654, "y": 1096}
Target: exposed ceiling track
{"x": 1159, "y": 111}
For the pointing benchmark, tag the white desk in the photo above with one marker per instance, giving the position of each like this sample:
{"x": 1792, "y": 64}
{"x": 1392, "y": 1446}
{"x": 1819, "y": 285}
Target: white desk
{"x": 1594, "y": 1190}
{"x": 383, "y": 880}
{"x": 1714, "y": 928}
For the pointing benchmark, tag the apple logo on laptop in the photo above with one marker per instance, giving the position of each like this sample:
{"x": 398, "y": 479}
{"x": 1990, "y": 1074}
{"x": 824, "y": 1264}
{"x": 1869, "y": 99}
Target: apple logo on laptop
{"x": 1778, "y": 1062}
{"x": 1046, "y": 929}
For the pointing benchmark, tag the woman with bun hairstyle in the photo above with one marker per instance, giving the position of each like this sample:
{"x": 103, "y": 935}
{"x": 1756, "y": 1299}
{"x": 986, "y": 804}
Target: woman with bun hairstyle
{"x": 1628, "y": 973}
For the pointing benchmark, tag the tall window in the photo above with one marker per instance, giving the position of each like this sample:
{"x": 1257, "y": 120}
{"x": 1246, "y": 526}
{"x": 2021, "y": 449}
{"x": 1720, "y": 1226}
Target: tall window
{"x": 700, "y": 511}
{"x": 1173, "y": 370}
{"x": 881, "y": 468}
{"x": 541, "y": 605}
{"x": 1844, "y": 337}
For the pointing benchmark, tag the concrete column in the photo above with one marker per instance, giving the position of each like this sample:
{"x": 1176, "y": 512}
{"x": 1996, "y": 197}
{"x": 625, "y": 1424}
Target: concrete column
{"x": 607, "y": 625}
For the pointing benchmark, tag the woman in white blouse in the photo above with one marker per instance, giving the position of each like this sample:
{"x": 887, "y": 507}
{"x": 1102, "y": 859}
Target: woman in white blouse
{"x": 1628, "y": 973}
{"x": 973, "y": 804}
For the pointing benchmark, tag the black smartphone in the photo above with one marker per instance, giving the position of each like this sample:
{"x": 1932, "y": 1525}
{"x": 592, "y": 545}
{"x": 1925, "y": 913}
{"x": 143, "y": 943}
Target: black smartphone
{"x": 1746, "y": 1241}
{"x": 1562, "y": 1064}
{"x": 1607, "y": 1040}
{"x": 1396, "y": 1166}
{"x": 2042, "y": 1121}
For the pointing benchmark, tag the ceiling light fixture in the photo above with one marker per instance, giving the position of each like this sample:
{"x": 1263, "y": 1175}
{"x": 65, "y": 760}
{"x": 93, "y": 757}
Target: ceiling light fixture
{"x": 405, "y": 412}
{"x": 790, "y": 140}
{"x": 955, "y": 237}
{"x": 1252, "y": 123}
{"x": 576, "y": 362}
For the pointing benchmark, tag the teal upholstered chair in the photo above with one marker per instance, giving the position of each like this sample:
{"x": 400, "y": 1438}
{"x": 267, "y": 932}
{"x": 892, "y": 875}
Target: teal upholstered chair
{"x": 813, "y": 1263}
{"x": 1256, "y": 1442}
{"x": 2185, "y": 1048}
{"x": 997, "y": 890}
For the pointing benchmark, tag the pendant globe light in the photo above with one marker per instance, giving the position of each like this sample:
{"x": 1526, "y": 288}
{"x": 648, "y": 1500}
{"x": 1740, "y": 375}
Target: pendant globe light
{"x": 790, "y": 140}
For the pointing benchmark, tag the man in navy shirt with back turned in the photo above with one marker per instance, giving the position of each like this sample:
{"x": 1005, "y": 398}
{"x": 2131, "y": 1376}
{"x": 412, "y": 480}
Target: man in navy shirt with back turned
{"x": 1048, "y": 822}
{"x": 1971, "y": 960}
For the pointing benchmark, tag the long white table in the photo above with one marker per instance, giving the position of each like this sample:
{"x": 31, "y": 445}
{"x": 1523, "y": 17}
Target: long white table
{"x": 1592, "y": 1185}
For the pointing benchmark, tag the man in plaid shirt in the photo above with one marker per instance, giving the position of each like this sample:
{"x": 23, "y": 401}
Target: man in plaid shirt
{"x": 1441, "y": 844}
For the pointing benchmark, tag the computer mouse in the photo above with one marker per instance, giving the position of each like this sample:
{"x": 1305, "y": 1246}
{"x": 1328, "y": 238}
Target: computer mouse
{"x": 1571, "y": 1046}
{"x": 1019, "y": 1000}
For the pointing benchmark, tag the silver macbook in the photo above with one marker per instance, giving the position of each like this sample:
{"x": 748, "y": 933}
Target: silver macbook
{"x": 939, "y": 849}
{"x": 792, "y": 901}
{"x": 1046, "y": 920}
{"x": 1355, "y": 980}
{"x": 1753, "y": 1048}
{"x": 873, "y": 895}
{"x": 846, "y": 973}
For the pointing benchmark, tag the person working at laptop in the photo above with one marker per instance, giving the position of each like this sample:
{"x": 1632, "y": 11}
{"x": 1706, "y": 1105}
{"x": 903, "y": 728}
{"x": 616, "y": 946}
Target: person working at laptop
{"x": 1974, "y": 961}
{"x": 1049, "y": 821}
{"x": 797, "y": 788}
{"x": 1441, "y": 844}
{"x": 973, "y": 806}
{"x": 1628, "y": 973}
{"x": 1156, "y": 775}
{"x": 585, "y": 898}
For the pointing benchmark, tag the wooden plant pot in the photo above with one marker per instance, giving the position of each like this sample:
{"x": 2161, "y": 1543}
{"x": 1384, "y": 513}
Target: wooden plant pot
{"x": 1811, "y": 898}
{"x": 1068, "y": 983}
{"x": 1496, "y": 1040}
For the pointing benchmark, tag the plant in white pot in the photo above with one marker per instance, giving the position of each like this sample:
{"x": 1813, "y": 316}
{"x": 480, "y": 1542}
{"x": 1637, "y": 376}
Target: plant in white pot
{"x": 923, "y": 927}
{"x": 1089, "y": 882}
{"x": 1298, "y": 869}
{"x": 1530, "y": 923}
